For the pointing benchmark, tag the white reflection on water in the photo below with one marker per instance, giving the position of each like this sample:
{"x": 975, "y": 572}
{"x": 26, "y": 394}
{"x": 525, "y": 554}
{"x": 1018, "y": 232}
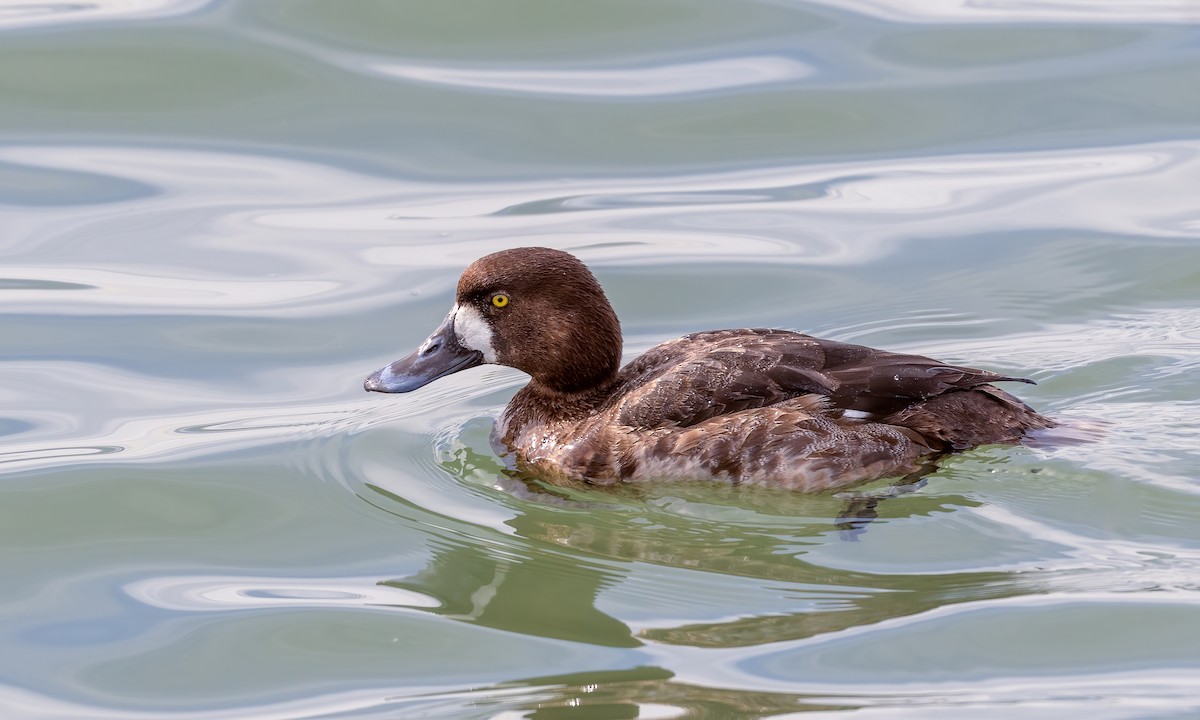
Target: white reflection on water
{"x": 438, "y": 701}
{"x": 1103, "y": 696}
{"x": 208, "y": 593}
{"x": 640, "y": 81}
{"x": 1015, "y": 11}
{"x": 819, "y": 664}
{"x": 1052, "y": 556}
{"x": 110, "y": 289}
{"x": 85, "y": 411}
{"x": 192, "y": 246}
{"x": 1168, "y": 333}
{"x": 151, "y": 438}
{"x": 1112, "y": 696}
{"x": 27, "y": 13}
{"x": 1155, "y": 443}
{"x": 259, "y": 236}
{"x": 1103, "y": 564}
{"x": 832, "y": 214}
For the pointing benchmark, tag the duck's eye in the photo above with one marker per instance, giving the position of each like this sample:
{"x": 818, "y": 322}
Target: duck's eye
{"x": 499, "y": 299}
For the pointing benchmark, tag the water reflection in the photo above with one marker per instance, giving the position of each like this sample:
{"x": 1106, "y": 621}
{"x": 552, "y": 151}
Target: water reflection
{"x": 641, "y": 81}
{"x": 715, "y": 549}
{"x": 57, "y": 455}
{"x": 668, "y": 548}
{"x": 217, "y": 216}
{"x": 320, "y": 240}
{"x": 554, "y": 596}
{"x": 216, "y": 593}
{"x": 31, "y": 13}
{"x": 644, "y": 693}
{"x": 1023, "y": 11}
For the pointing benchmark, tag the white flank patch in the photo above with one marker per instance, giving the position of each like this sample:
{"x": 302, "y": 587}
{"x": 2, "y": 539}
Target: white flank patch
{"x": 858, "y": 414}
{"x": 473, "y": 331}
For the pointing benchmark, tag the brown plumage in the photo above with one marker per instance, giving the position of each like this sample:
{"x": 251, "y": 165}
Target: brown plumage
{"x": 771, "y": 407}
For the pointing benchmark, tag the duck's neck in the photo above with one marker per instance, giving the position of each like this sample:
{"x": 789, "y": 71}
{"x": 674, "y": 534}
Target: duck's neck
{"x": 539, "y": 404}
{"x": 579, "y": 401}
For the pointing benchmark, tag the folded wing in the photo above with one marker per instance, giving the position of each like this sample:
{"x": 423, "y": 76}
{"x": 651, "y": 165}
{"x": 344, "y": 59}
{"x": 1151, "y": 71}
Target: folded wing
{"x": 700, "y": 376}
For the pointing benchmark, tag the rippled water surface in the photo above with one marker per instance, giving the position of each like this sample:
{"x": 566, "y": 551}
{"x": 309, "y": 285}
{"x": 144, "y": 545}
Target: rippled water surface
{"x": 220, "y": 216}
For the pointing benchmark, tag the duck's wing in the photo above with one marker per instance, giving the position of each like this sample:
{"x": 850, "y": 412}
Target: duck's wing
{"x": 701, "y": 376}
{"x": 879, "y": 382}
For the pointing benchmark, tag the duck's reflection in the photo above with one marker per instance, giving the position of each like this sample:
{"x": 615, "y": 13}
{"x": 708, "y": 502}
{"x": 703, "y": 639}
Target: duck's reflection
{"x": 649, "y": 692}
{"x": 572, "y": 543}
{"x": 548, "y": 595}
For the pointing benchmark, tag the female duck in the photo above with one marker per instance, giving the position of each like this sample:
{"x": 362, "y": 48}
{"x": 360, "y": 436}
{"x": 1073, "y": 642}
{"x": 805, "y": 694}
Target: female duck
{"x": 770, "y": 407}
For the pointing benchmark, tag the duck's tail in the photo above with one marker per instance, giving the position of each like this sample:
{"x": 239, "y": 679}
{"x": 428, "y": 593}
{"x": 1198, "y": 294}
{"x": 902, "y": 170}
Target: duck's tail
{"x": 964, "y": 419}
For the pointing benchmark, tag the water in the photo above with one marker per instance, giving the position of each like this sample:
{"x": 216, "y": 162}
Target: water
{"x": 220, "y": 216}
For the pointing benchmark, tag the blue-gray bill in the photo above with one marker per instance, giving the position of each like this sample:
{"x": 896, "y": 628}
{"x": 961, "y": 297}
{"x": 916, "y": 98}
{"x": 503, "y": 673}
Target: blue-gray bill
{"x": 440, "y": 355}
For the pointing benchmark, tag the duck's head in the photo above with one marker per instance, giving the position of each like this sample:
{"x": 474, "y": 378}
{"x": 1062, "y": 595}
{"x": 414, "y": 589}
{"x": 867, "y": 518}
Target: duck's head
{"x": 534, "y": 309}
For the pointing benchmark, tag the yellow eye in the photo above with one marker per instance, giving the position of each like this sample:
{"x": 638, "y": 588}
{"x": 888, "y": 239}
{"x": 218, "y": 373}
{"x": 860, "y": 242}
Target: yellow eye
{"x": 499, "y": 299}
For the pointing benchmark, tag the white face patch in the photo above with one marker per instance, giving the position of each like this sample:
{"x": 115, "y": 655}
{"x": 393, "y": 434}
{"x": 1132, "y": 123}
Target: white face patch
{"x": 473, "y": 332}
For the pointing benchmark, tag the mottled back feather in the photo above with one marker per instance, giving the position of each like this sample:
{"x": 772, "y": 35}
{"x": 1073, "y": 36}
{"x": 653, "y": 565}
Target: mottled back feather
{"x": 703, "y": 375}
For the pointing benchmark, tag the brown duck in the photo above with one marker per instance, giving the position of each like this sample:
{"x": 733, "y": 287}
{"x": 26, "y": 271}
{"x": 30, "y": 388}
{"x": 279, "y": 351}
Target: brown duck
{"x": 768, "y": 407}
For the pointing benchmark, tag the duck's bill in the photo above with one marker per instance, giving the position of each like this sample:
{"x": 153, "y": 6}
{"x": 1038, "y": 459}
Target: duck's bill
{"x": 438, "y": 356}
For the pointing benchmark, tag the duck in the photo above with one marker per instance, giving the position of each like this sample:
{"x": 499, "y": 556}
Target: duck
{"x": 754, "y": 406}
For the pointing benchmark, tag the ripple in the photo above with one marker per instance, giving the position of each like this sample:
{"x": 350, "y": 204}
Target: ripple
{"x": 206, "y": 593}
{"x": 820, "y": 664}
{"x": 219, "y": 260}
{"x": 1167, "y": 333}
{"x": 1024, "y": 11}
{"x": 920, "y": 319}
{"x": 635, "y": 82}
{"x": 53, "y": 455}
{"x": 102, "y": 290}
{"x": 878, "y": 204}
{"x": 284, "y": 236}
{"x": 384, "y": 467}
{"x": 39, "y": 284}
{"x": 324, "y": 420}
{"x": 1108, "y": 696}
{"x": 1151, "y": 442}
{"x": 438, "y": 701}
{"x": 29, "y": 13}
{"x": 134, "y": 417}
{"x": 1102, "y": 367}
{"x": 13, "y": 426}
{"x": 1097, "y": 564}
{"x": 33, "y": 186}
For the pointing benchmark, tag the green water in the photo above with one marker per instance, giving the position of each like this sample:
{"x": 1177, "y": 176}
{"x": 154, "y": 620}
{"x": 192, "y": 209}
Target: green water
{"x": 219, "y": 217}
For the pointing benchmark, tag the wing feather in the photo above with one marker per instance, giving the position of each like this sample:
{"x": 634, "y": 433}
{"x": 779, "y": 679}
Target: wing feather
{"x": 700, "y": 376}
